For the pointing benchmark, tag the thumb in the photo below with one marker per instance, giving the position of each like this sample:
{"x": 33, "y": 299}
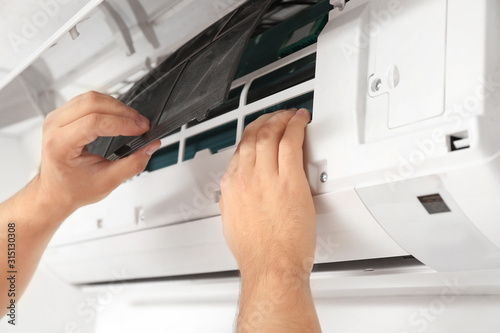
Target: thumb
{"x": 130, "y": 166}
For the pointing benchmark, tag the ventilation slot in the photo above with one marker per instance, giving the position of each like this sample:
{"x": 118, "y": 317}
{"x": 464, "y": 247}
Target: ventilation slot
{"x": 215, "y": 139}
{"x": 164, "y": 158}
{"x": 283, "y": 78}
{"x": 303, "y": 101}
{"x": 458, "y": 141}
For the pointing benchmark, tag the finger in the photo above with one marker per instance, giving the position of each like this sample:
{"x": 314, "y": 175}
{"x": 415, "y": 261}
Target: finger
{"x": 290, "y": 147}
{"x": 268, "y": 138}
{"x": 233, "y": 164}
{"x": 91, "y": 102}
{"x": 119, "y": 171}
{"x": 245, "y": 153}
{"x": 83, "y": 131}
{"x": 247, "y": 147}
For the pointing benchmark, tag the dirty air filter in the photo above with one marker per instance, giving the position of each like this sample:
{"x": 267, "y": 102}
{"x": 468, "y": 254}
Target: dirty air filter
{"x": 194, "y": 79}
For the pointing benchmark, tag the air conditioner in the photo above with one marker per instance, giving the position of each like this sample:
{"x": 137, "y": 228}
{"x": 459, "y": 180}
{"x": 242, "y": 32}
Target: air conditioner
{"x": 402, "y": 154}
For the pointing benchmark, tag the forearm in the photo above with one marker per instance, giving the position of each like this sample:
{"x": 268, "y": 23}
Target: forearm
{"x": 277, "y": 303}
{"x": 33, "y": 220}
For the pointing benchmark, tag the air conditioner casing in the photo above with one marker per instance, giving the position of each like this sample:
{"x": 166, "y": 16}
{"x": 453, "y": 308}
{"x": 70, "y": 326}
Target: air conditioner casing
{"x": 406, "y": 106}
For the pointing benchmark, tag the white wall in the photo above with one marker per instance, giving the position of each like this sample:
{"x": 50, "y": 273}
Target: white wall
{"x": 15, "y": 169}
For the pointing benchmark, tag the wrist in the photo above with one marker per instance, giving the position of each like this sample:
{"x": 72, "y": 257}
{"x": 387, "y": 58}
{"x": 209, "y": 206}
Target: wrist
{"x": 278, "y": 270}
{"x": 40, "y": 199}
{"x": 277, "y": 277}
{"x": 282, "y": 300}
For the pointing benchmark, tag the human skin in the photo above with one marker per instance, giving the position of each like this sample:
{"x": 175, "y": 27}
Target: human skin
{"x": 266, "y": 204}
{"x": 69, "y": 178}
{"x": 270, "y": 226}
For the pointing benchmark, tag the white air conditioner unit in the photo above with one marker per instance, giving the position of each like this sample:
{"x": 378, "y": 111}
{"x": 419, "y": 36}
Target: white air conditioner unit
{"x": 402, "y": 153}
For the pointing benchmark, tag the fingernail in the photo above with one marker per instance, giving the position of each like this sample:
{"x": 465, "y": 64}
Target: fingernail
{"x": 305, "y": 112}
{"x": 293, "y": 109}
{"x": 141, "y": 124}
{"x": 144, "y": 119}
{"x": 151, "y": 150}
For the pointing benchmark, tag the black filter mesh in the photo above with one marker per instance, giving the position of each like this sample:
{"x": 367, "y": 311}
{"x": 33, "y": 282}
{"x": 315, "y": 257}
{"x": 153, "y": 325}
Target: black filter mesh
{"x": 194, "y": 79}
